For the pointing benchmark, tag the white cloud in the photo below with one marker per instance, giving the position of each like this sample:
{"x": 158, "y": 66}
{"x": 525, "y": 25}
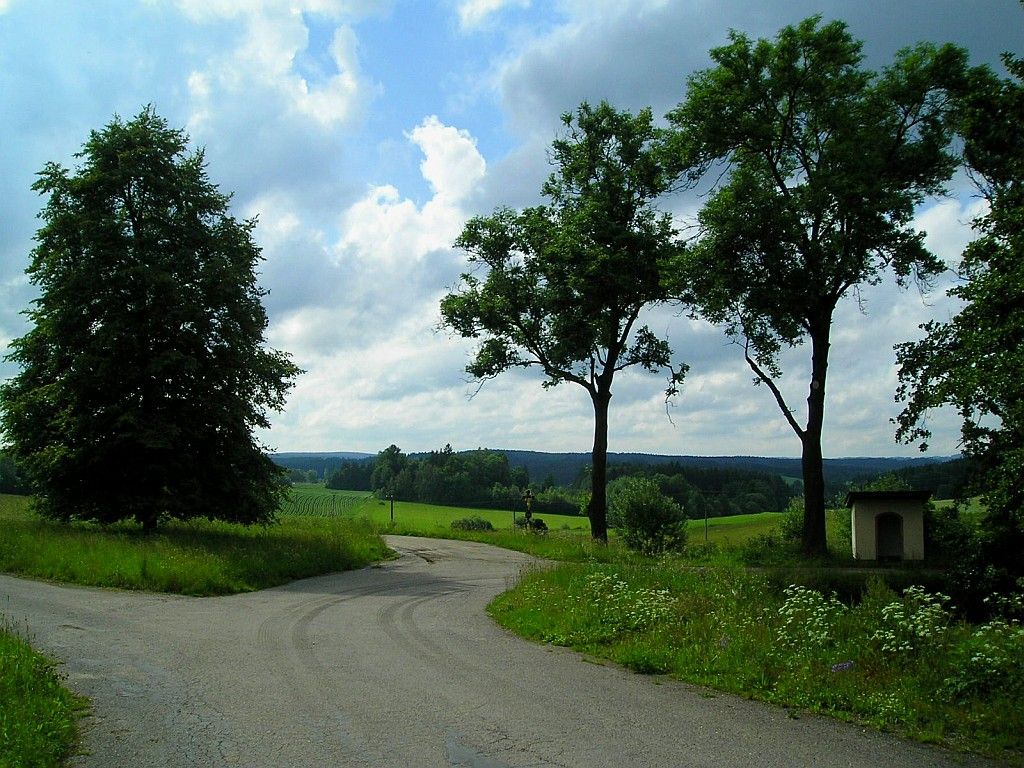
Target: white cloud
{"x": 262, "y": 65}
{"x": 374, "y": 362}
{"x": 451, "y": 162}
{"x": 474, "y": 13}
{"x": 948, "y": 226}
{"x": 384, "y": 229}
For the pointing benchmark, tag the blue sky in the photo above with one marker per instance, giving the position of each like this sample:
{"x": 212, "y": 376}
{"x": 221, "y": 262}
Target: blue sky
{"x": 363, "y": 134}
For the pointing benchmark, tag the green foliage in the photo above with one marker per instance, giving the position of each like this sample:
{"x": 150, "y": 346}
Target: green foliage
{"x": 11, "y": 480}
{"x": 479, "y": 478}
{"x": 792, "y": 527}
{"x": 474, "y": 523}
{"x": 623, "y": 607}
{"x": 712, "y": 491}
{"x": 352, "y": 476}
{"x": 561, "y": 287}
{"x": 647, "y": 520}
{"x": 824, "y": 164}
{"x": 973, "y": 361}
{"x": 144, "y": 373}
{"x": 38, "y": 715}
{"x": 807, "y": 619}
{"x": 990, "y": 663}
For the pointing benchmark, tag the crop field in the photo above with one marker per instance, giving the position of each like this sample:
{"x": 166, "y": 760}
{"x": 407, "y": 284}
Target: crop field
{"x": 317, "y": 501}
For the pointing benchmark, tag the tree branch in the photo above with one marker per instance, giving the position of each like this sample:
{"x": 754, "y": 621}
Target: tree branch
{"x": 773, "y": 387}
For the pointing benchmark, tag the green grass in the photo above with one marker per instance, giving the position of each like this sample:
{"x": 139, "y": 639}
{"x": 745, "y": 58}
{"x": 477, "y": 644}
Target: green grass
{"x": 568, "y": 538}
{"x": 196, "y": 558}
{"x": 38, "y": 716}
{"x": 412, "y": 518}
{"x": 900, "y": 668}
{"x": 735, "y": 529}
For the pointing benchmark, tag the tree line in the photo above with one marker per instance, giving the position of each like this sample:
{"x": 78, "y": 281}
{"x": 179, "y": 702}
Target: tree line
{"x": 485, "y": 479}
{"x": 481, "y": 478}
{"x": 708, "y": 492}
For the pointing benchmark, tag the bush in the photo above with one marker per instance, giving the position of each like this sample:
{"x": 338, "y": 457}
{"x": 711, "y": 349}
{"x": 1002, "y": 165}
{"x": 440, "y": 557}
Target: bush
{"x": 648, "y": 521}
{"x": 534, "y": 524}
{"x": 792, "y": 528}
{"x": 768, "y": 549}
{"x": 474, "y": 523}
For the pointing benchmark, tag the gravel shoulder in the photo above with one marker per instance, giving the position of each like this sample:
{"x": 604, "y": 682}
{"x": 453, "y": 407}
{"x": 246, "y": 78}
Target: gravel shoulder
{"x": 394, "y": 665}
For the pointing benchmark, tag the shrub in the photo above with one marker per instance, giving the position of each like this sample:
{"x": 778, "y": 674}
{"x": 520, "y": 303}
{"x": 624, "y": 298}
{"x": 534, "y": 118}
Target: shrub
{"x": 807, "y": 618}
{"x": 792, "y": 527}
{"x": 768, "y": 549}
{"x": 534, "y": 524}
{"x": 648, "y": 521}
{"x": 474, "y": 523}
{"x": 624, "y": 607}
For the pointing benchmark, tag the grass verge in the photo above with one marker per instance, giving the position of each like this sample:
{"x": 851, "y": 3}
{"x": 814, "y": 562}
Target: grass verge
{"x": 196, "y": 558}
{"x": 38, "y": 716}
{"x": 895, "y": 662}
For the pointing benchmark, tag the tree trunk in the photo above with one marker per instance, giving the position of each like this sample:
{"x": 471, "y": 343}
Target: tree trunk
{"x": 597, "y": 510}
{"x": 814, "y": 542}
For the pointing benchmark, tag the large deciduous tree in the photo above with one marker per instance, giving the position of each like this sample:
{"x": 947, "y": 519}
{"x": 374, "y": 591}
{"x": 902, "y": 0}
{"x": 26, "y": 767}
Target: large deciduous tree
{"x": 817, "y": 166}
{"x": 975, "y": 362}
{"x": 145, "y": 372}
{"x": 561, "y": 286}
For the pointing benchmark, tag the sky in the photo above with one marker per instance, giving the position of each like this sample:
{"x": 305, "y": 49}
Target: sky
{"x": 363, "y": 134}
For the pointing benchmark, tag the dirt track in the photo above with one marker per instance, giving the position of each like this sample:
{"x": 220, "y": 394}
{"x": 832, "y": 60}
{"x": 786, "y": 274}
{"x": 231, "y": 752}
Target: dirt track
{"x": 392, "y": 666}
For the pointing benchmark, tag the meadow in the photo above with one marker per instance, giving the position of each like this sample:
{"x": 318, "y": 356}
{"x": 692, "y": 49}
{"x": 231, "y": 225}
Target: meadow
{"x": 567, "y": 539}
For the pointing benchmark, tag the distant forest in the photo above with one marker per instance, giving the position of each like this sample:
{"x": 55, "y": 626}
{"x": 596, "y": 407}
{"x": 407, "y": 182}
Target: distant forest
{"x": 497, "y": 479}
{"x": 716, "y": 486}
{"x": 722, "y": 484}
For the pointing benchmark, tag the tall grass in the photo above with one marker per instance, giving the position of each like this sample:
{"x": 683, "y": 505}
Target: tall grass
{"x": 38, "y": 716}
{"x": 196, "y": 558}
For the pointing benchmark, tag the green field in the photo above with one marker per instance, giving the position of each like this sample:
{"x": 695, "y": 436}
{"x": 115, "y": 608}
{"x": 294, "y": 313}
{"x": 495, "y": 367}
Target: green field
{"x": 429, "y": 519}
{"x": 410, "y": 517}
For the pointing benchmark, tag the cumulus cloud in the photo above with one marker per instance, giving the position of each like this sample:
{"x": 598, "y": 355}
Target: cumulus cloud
{"x": 386, "y": 230}
{"x": 263, "y": 62}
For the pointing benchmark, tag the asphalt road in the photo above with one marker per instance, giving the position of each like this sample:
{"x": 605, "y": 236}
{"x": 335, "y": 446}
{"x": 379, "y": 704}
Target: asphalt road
{"x": 396, "y": 665}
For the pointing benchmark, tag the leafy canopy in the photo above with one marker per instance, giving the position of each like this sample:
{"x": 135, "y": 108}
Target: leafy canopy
{"x": 820, "y": 164}
{"x": 974, "y": 361}
{"x": 144, "y": 372}
{"x": 562, "y": 285}
{"x": 825, "y": 163}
